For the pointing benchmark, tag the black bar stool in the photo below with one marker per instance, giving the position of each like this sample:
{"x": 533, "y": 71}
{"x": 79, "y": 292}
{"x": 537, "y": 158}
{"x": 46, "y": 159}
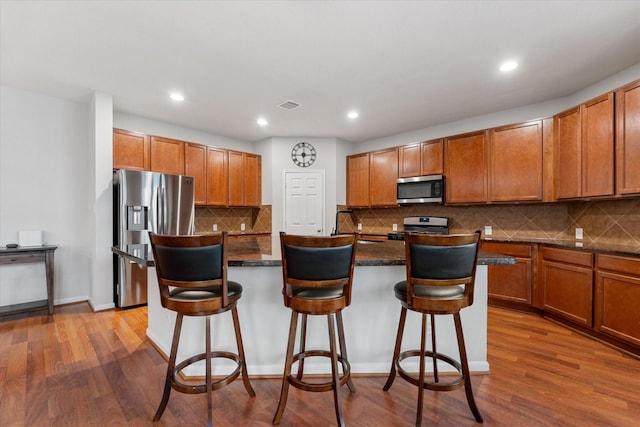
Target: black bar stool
{"x": 192, "y": 275}
{"x": 317, "y": 278}
{"x": 440, "y": 280}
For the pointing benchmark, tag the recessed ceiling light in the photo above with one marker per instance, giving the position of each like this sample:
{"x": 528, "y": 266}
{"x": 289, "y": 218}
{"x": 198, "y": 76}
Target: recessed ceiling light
{"x": 353, "y": 114}
{"x": 508, "y": 66}
{"x": 262, "y": 121}
{"x": 177, "y": 97}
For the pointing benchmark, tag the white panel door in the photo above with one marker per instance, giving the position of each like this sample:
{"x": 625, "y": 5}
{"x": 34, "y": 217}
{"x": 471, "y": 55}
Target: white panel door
{"x": 304, "y": 203}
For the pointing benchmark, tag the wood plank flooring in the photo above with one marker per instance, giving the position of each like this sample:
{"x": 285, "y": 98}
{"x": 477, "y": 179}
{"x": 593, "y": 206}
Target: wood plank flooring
{"x": 79, "y": 368}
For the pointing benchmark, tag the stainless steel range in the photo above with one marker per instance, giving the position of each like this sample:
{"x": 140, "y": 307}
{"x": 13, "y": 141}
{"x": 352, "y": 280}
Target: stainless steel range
{"x": 422, "y": 224}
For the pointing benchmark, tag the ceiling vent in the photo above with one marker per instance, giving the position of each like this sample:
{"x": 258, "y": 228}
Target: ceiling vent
{"x": 289, "y": 105}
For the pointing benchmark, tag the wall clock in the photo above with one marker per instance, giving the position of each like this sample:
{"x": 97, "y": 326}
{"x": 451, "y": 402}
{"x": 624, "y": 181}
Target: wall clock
{"x": 303, "y": 154}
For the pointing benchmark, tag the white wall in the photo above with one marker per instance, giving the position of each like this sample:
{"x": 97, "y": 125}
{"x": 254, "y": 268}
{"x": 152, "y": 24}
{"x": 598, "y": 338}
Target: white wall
{"x": 44, "y": 183}
{"x": 500, "y": 118}
{"x": 152, "y": 127}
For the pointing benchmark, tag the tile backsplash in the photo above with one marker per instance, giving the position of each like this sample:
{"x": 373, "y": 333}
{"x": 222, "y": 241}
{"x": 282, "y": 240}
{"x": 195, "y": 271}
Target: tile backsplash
{"x": 611, "y": 221}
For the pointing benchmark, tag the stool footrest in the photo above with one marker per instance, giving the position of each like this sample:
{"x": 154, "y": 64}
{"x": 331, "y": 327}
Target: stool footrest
{"x": 201, "y": 387}
{"x": 431, "y": 385}
{"x": 323, "y": 386}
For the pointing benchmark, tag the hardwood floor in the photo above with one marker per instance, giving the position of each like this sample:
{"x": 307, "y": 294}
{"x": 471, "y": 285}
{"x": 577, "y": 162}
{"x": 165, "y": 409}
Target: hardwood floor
{"x": 79, "y": 368}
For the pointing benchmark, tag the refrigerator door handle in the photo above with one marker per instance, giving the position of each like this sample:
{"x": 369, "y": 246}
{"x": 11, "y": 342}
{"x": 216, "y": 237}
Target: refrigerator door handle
{"x": 160, "y": 212}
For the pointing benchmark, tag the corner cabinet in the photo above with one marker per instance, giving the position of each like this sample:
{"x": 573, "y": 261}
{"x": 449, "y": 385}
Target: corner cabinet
{"x": 130, "y": 150}
{"x": 465, "y": 168}
{"x": 245, "y": 173}
{"x": 628, "y": 139}
{"x": 567, "y": 284}
{"x": 584, "y": 149}
{"x": 515, "y": 167}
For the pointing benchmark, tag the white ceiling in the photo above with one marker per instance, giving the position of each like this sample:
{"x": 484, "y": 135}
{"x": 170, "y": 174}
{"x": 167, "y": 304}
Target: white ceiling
{"x": 405, "y": 65}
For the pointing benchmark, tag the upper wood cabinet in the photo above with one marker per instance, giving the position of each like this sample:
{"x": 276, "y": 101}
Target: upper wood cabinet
{"x": 195, "y": 165}
{"x": 584, "y": 149}
{"x": 130, "y": 150}
{"x": 167, "y": 155}
{"x": 420, "y": 159}
{"x": 465, "y": 168}
{"x": 383, "y": 177}
{"x": 628, "y": 139}
{"x": 358, "y": 180}
{"x": 217, "y": 177}
{"x": 515, "y": 171}
{"x": 245, "y": 171}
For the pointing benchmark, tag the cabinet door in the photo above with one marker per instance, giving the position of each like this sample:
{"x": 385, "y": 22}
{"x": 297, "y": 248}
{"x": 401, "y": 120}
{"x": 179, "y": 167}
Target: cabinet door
{"x": 568, "y": 152}
{"x": 512, "y": 283}
{"x": 253, "y": 180}
{"x": 597, "y": 147}
{"x": 236, "y": 179}
{"x": 167, "y": 155}
{"x": 409, "y": 164}
{"x": 465, "y": 164}
{"x": 195, "y": 165}
{"x": 431, "y": 154}
{"x": 618, "y": 297}
{"x": 516, "y": 163}
{"x": 130, "y": 150}
{"x": 217, "y": 177}
{"x": 567, "y": 284}
{"x": 628, "y": 139}
{"x": 358, "y": 180}
{"x": 383, "y": 177}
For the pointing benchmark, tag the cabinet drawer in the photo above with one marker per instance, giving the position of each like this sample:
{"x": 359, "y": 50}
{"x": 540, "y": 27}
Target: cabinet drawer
{"x": 568, "y": 256}
{"x": 522, "y": 250}
{"x": 624, "y": 265}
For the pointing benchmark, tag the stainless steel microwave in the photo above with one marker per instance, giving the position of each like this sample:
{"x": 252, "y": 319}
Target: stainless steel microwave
{"x": 421, "y": 190}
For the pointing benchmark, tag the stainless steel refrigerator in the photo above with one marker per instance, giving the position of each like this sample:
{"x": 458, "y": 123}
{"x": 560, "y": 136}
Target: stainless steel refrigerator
{"x": 143, "y": 202}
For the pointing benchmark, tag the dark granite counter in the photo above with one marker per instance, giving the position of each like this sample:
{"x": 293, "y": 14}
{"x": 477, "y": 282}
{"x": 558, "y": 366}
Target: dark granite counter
{"x": 576, "y": 244}
{"x": 263, "y": 250}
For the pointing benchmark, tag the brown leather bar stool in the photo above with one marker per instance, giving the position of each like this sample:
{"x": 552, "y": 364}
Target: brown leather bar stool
{"x": 192, "y": 275}
{"x": 317, "y": 278}
{"x": 440, "y": 280}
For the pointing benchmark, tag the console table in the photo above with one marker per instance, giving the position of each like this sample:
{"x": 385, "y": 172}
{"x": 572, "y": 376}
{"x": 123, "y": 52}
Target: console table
{"x": 30, "y": 254}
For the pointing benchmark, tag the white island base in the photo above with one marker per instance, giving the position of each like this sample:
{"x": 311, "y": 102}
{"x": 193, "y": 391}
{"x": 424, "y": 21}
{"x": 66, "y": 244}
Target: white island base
{"x": 370, "y": 324}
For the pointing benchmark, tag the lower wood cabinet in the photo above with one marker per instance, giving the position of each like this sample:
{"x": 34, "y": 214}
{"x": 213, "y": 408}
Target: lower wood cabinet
{"x": 566, "y": 277}
{"x": 617, "y": 303}
{"x": 511, "y": 283}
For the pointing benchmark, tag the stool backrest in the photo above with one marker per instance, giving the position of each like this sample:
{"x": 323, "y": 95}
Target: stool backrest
{"x": 318, "y": 261}
{"x": 441, "y": 260}
{"x": 190, "y": 262}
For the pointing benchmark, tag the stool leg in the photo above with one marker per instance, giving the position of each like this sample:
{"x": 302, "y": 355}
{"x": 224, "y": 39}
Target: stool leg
{"x": 422, "y": 368}
{"x": 334, "y": 370}
{"x": 170, "y": 367}
{"x": 396, "y": 351}
{"x": 465, "y": 368}
{"x": 208, "y": 369}
{"x": 284, "y": 391}
{"x": 433, "y": 347}
{"x": 343, "y": 348}
{"x": 303, "y": 345}
{"x": 243, "y": 363}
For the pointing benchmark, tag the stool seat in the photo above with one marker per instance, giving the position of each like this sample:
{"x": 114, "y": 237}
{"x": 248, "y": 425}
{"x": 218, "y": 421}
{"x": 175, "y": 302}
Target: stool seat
{"x": 192, "y": 277}
{"x": 317, "y": 279}
{"x": 434, "y": 292}
{"x": 440, "y": 281}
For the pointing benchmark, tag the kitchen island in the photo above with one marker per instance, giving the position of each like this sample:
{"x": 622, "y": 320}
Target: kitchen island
{"x": 370, "y": 321}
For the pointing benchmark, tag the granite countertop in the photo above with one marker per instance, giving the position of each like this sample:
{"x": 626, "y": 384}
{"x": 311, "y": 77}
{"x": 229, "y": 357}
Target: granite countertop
{"x": 618, "y": 249}
{"x": 263, "y": 250}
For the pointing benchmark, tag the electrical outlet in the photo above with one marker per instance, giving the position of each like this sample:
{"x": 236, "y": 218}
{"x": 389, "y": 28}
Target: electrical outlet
{"x": 215, "y": 227}
{"x": 394, "y": 227}
{"x": 488, "y": 230}
{"x": 579, "y": 233}
{"x": 242, "y": 227}
{"x": 359, "y": 226}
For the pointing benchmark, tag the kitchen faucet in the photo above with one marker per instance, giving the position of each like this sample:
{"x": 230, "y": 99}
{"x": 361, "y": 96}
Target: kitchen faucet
{"x": 336, "y": 230}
